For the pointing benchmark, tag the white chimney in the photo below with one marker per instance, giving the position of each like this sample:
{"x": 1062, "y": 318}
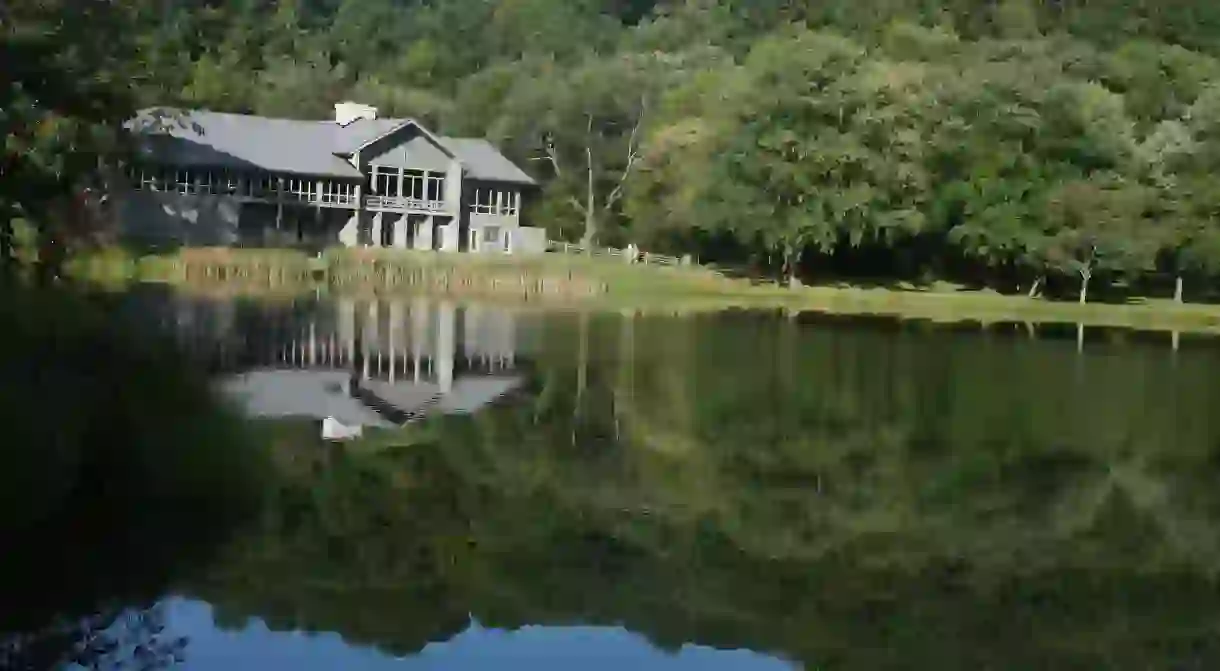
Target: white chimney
{"x": 348, "y": 111}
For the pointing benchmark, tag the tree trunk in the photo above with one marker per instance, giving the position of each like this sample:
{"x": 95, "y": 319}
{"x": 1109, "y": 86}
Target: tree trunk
{"x": 590, "y": 216}
{"x": 789, "y": 267}
{"x": 1033, "y": 290}
{"x": 1177, "y": 289}
{"x": 1085, "y": 276}
{"x": 50, "y": 257}
{"x": 8, "y": 259}
{"x": 590, "y": 229}
{"x": 582, "y": 373}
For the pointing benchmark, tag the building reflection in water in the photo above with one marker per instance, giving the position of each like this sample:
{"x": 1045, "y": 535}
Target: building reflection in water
{"x": 377, "y": 362}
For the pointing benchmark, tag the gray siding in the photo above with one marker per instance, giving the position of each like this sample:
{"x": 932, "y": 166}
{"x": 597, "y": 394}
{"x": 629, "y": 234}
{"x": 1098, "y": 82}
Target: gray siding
{"x": 417, "y": 153}
{"x": 481, "y": 219}
{"x": 529, "y": 240}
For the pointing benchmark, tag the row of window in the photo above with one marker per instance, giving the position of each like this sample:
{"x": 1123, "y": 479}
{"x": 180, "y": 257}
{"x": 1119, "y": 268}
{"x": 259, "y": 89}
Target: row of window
{"x": 416, "y": 184}
{"x": 230, "y": 182}
{"x": 489, "y": 200}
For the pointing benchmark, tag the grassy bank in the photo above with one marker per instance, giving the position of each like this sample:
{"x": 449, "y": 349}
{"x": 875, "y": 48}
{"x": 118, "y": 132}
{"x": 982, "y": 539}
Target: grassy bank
{"x": 602, "y": 283}
{"x": 546, "y": 278}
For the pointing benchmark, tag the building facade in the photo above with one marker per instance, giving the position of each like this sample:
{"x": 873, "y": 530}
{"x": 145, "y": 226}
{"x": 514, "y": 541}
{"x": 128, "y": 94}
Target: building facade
{"x": 207, "y": 178}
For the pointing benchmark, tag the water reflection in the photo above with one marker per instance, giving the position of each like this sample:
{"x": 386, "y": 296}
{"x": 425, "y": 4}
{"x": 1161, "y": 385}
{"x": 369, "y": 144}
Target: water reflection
{"x": 841, "y": 494}
{"x": 377, "y": 363}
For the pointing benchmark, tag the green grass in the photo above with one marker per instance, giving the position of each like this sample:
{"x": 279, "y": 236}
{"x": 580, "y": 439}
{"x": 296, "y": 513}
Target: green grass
{"x": 604, "y": 284}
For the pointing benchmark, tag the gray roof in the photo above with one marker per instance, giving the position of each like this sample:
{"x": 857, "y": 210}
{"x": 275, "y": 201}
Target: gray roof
{"x": 240, "y": 141}
{"x": 198, "y": 138}
{"x": 349, "y": 138}
{"x": 271, "y": 393}
{"x": 484, "y": 161}
{"x": 472, "y": 393}
{"x": 318, "y": 394}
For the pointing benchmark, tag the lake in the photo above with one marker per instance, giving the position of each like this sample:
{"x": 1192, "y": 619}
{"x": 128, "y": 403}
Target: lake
{"x": 742, "y": 490}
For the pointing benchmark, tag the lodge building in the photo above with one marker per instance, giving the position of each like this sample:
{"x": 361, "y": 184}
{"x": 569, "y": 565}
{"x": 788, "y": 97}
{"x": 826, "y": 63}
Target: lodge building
{"x": 208, "y": 178}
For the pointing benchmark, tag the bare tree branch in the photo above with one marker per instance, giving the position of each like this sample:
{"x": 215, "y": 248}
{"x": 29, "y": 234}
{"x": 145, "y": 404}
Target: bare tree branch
{"x": 633, "y": 156}
{"x": 551, "y": 155}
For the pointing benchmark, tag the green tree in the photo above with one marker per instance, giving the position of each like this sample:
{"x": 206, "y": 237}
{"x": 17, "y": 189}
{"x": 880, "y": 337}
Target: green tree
{"x": 1099, "y": 224}
{"x": 65, "y": 90}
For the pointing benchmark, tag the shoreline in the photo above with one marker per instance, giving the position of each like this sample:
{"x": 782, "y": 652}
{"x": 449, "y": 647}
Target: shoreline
{"x": 597, "y": 283}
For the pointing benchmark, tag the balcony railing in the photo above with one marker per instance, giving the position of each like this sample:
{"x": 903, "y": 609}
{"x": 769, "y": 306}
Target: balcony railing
{"x": 396, "y": 203}
{"x": 250, "y": 190}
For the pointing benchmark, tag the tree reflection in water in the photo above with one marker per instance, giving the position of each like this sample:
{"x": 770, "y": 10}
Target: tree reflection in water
{"x": 841, "y": 494}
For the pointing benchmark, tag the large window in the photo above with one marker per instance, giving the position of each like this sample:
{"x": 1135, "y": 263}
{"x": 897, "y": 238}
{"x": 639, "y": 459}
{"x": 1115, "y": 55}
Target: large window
{"x": 304, "y": 188}
{"x": 184, "y": 181}
{"x": 338, "y": 192}
{"x": 416, "y": 184}
{"x": 487, "y": 200}
{"x": 436, "y": 187}
{"x": 413, "y": 184}
{"x": 483, "y": 200}
{"x": 385, "y": 181}
{"x": 231, "y": 182}
{"x": 264, "y": 185}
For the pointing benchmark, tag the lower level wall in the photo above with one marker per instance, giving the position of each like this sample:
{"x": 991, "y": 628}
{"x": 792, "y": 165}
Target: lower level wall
{"x": 528, "y": 240}
{"x": 151, "y": 217}
{"x": 450, "y": 237}
{"x": 172, "y": 218}
{"x": 199, "y": 220}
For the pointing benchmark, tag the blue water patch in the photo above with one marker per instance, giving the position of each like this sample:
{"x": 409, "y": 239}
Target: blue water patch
{"x": 255, "y": 647}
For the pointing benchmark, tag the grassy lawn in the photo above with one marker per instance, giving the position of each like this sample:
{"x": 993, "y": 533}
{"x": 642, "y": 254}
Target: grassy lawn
{"x": 605, "y": 284}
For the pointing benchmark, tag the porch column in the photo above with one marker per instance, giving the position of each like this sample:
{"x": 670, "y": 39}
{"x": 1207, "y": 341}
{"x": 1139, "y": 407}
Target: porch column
{"x": 400, "y": 231}
{"x": 376, "y": 230}
{"x": 279, "y": 207}
{"x": 401, "y": 173}
{"x": 419, "y": 333}
{"x": 423, "y": 235}
{"x": 313, "y": 343}
{"x": 396, "y": 324}
{"x": 445, "y": 345}
{"x": 449, "y": 236}
{"x": 347, "y": 327}
{"x": 372, "y": 344}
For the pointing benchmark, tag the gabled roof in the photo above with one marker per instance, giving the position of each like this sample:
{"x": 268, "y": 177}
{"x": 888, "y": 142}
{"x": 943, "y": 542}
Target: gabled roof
{"x": 362, "y": 132}
{"x": 388, "y": 126}
{"x": 242, "y": 141}
{"x": 484, "y": 161}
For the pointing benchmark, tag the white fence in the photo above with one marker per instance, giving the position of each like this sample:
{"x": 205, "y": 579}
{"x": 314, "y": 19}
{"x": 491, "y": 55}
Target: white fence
{"x": 624, "y": 254}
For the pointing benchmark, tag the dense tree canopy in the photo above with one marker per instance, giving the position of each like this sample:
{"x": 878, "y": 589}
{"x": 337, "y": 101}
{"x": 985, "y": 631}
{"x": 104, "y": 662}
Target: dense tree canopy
{"x": 1013, "y": 144}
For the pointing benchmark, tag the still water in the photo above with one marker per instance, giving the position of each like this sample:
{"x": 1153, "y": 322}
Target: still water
{"x": 735, "y": 491}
